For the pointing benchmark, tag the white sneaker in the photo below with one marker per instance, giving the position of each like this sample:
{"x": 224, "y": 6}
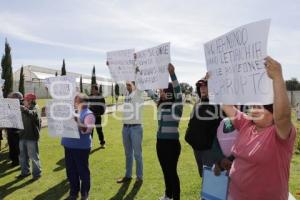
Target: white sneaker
{"x": 164, "y": 198}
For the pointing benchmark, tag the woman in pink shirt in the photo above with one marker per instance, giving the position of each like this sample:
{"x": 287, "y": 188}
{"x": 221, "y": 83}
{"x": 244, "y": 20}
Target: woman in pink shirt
{"x": 264, "y": 146}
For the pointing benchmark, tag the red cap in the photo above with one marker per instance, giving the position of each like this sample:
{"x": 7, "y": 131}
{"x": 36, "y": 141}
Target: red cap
{"x": 30, "y": 96}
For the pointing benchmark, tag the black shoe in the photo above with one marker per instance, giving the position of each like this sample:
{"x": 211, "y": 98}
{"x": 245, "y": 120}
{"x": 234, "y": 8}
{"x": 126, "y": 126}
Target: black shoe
{"x": 71, "y": 197}
{"x": 124, "y": 180}
{"x": 84, "y": 198}
{"x": 14, "y": 164}
{"x": 22, "y": 176}
{"x": 35, "y": 178}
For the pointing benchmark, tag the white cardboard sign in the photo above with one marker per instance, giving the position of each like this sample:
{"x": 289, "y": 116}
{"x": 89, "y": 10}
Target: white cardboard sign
{"x": 152, "y": 67}
{"x": 235, "y": 62}
{"x": 121, "y": 65}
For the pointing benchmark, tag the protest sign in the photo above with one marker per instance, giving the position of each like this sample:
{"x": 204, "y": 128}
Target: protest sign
{"x": 60, "y": 110}
{"x": 10, "y": 115}
{"x": 61, "y": 87}
{"x": 121, "y": 65}
{"x": 60, "y": 114}
{"x": 152, "y": 67}
{"x": 235, "y": 62}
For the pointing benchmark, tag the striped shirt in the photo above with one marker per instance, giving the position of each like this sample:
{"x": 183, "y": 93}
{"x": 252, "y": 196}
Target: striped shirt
{"x": 169, "y": 118}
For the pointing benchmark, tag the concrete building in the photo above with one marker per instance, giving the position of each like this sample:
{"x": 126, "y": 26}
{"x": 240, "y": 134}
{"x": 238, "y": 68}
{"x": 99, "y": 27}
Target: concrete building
{"x": 34, "y": 76}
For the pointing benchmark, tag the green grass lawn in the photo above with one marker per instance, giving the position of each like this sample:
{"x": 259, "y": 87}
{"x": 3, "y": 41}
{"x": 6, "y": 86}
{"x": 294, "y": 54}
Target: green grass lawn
{"x": 107, "y": 165}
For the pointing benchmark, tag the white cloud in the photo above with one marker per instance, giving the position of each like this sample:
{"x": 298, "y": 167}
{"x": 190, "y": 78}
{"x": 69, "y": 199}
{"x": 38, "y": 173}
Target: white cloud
{"x": 99, "y": 26}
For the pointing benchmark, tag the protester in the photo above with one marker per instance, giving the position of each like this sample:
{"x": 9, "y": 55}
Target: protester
{"x": 168, "y": 147}
{"x": 13, "y": 135}
{"x": 264, "y": 146}
{"x": 132, "y": 131}
{"x": 202, "y": 129}
{"x": 77, "y": 150}
{"x": 29, "y": 137}
{"x": 97, "y": 106}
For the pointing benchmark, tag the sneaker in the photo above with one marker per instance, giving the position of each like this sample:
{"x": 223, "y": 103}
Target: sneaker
{"x": 124, "y": 180}
{"x": 22, "y": 176}
{"x": 102, "y": 146}
{"x": 164, "y": 198}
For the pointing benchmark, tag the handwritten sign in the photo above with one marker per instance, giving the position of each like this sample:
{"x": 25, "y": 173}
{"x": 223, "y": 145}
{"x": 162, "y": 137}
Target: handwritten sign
{"x": 152, "y": 67}
{"x": 236, "y": 66}
{"x": 60, "y": 115}
{"x": 60, "y": 111}
{"x": 61, "y": 87}
{"x": 121, "y": 65}
{"x": 10, "y": 115}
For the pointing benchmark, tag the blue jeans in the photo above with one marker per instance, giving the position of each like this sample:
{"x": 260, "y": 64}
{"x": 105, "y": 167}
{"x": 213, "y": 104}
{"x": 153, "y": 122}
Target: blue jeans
{"x": 29, "y": 149}
{"x": 77, "y": 168}
{"x": 132, "y": 141}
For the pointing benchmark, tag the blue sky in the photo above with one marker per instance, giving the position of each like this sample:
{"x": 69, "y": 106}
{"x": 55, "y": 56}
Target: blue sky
{"x": 44, "y": 32}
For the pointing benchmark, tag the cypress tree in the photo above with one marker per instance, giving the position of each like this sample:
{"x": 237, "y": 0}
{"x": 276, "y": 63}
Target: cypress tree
{"x": 81, "y": 86}
{"x": 7, "y": 75}
{"x": 63, "y": 69}
{"x": 21, "y": 82}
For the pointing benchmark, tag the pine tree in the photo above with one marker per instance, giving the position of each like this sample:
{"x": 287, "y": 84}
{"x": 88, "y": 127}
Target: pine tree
{"x": 100, "y": 89}
{"x": 21, "y": 82}
{"x": 7, "y": 71}
{"x": 112, "y": 93}
{"x": 81, "y": 86}
{"x": 117, "y": 91}
{"x": 93, "y": 81}
{"x": 63, "y": 69}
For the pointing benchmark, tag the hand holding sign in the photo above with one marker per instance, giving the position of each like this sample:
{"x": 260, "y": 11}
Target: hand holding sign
{"x": 235, "y": 61}
{"x": 273, "y": 68}
{"x": 171, "y": 69}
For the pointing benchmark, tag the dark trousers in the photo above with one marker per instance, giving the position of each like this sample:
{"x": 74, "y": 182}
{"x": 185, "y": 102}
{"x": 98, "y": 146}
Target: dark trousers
{"x": 77, "y": 167}
{"x": 99, "y": 129}
{"x": 13, "y": 144}
{"x": 168, "y": 152}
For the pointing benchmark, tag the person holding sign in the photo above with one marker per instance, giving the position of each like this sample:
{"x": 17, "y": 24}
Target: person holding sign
{"x": 264, "y": 146}
{"x": 132, "y": 131}
{"x": 13, "y": 135}
{"x": 168, "y": 147}
{"x": 77, "y": 150}
{"x": 29, "y": 136}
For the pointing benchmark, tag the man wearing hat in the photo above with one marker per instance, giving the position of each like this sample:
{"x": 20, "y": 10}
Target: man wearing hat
{"x": 29, "y": 137}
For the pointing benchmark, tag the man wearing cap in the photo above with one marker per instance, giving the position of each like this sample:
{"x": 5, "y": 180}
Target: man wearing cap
{"x": 29, "y": 137}
{"x": 202, "y": 129}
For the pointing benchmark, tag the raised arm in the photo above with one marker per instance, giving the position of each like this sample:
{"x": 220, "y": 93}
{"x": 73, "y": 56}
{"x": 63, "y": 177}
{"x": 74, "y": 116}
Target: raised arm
{"x": 281, "y": 106}
{"x": 175, "y": 83}
{"x": 230, "y": 111}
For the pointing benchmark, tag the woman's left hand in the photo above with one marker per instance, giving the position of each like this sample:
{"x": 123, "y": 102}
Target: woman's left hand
{"x": 273, "y": 68}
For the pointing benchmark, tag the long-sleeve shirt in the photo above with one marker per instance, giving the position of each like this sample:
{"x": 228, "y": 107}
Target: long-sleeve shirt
{"x": 132, "y": 109}
{"x": 169, "y": 118}
{"x": 31, "y": 124}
